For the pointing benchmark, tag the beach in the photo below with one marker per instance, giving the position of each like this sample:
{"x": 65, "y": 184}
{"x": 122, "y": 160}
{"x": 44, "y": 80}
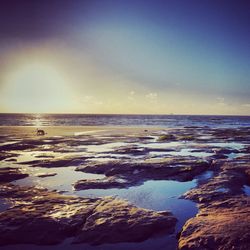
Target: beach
{"x": 124, "y": 187}
{"x": 124, "y": 125}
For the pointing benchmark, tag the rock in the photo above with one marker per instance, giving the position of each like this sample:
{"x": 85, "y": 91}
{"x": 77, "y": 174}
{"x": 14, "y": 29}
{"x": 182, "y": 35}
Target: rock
{"x": 240, "y": 134}
{"x": 166, "y": 137}
{"x": 225, "y": 151}
{"x": 160, "y": 149}
{"x": 229, "y": 180}
{"x": 186, "y": 138}
{"x": 115, "y": 221}
{"x": 39, "y": 216}
{"x": 104, "y": 183}
{"x": 220, "y": 156}
{"x": 56, "y": 162}
{"x": 247, "y": 173}
{"x": 43, "y": 175}
{"x": 11, "y": 174}
{"x": 11, "y": 160}
{"x": 222, "y": 225}
{"x": 223, "y": 221}
{"x": 17, "y": 146}
{"x": 6, "y": 155}
{"x": 44, "y": 156}
{"x": 183, "y": 169}
{"x": 131, "y": 150}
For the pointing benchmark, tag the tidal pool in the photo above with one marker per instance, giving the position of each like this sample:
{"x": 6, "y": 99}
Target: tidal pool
{"x": 247, "y": 190}
{"x": 4, "y": 204}
{"x": 233, "y": 145}
{"x": 106, "y": 147}
{"x": 62, "y": 181}
{"x": 182, "y": 152}
{"x": 156, "y": 195}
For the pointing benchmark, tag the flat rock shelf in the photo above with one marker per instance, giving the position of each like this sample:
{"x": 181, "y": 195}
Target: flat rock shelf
{"x": 125, "y": 188}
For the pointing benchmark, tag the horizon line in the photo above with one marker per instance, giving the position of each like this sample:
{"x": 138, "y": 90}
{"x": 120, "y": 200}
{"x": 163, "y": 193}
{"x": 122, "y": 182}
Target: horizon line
{"x": 132, "y": 114}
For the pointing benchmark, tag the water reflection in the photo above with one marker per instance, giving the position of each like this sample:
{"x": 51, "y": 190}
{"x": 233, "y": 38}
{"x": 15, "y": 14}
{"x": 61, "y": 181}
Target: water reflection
{"x": 156, "y": 195}
{"x": 4, "y": 205}
{"x": 247, "y": 190}
{"x": 37, "y": 122}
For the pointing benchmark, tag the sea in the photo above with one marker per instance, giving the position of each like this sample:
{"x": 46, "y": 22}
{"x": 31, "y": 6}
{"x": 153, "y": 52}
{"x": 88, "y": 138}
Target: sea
{"x": 170, "y": 121}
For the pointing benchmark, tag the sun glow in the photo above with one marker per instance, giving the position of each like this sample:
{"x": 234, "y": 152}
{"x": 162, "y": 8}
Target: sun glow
{"x": 36, "y": 87}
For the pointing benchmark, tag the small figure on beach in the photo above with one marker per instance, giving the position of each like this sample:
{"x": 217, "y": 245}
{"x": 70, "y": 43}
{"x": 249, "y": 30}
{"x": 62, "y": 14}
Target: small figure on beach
{"x": 40, "y": 132}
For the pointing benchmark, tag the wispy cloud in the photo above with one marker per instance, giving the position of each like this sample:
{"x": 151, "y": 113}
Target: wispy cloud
{"x": 246, "y": 105}
{"x": 151, "y": 96}
{"x": 131, "y": 95}
{"x": 221, "y": 101}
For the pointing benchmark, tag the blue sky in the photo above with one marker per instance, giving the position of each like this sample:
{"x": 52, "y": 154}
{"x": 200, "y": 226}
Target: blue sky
{"x": 195, "y": 53}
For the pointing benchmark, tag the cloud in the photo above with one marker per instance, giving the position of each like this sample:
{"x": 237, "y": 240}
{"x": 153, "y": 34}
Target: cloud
{"x": 131, "y": 95}
{"x": 152, "y": 96}
{"x": 221, "y": 101}
{"x": 88, "y": 98}
{"x": 246, "y": 105}
{"x": 91, "y": 100}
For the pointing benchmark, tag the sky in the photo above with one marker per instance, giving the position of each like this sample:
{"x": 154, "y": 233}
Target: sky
{"x": 125, "y": 57}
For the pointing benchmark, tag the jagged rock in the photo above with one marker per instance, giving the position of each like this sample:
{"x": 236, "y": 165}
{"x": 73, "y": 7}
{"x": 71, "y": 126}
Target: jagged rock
{"x": 104, "y": 183}
{"x": 39, "y": 216}
{"x": 223, "y": 221}
{"x": 114, "y": 221}
{"x": 136, "y": 173}
{"x": 222, "y": 225}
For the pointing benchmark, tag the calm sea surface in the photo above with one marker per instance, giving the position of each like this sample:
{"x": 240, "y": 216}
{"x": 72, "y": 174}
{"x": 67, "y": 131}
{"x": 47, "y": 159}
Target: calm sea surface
{"x": 122, "y": 120}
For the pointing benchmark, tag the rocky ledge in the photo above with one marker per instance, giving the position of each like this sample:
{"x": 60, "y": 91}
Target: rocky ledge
{"x": 122, "y": 174}
{"x": 223, "y": 221}
{"x": 221, "y": 225}
{"x": 8, "y": 174}
{"x": 46, "y": 217}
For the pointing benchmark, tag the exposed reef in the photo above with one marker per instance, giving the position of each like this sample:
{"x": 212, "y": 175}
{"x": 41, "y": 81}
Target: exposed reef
{"x": 223, "y": 221}
{"x": 217, "y": 159}
{"x": 122, "y": 174}
{"x": 39, "y": 216}
{"x": 8, "y": 174}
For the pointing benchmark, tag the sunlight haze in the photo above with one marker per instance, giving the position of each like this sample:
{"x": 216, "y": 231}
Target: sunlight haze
{"x": 125, "y": 57}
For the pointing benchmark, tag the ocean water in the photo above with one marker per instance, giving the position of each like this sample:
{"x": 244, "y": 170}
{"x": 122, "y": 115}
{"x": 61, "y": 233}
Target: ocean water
{"x": 170, "y": 121}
